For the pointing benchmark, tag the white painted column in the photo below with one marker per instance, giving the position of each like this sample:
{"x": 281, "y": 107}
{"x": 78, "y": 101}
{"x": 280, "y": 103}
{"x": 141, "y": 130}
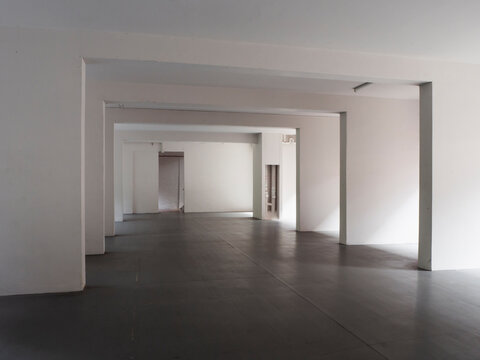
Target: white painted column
{"x": 343, "y": 179}
{"x": 450, "y": 172}
{"x": 127, "y": 178}
{"x": 425, "y": 197}
{"x": 42, "y": 243}
{"x": 118, "y": 177}
{"x": 94, "y": 175}
{"x": 109, "y": 177}
{"x": 257, "y": 179}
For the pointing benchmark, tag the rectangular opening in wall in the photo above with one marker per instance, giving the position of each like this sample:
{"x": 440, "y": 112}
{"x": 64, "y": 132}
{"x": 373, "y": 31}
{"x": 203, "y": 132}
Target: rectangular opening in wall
{"x": 170, "y": 181}
{"x": 271, "y": 191}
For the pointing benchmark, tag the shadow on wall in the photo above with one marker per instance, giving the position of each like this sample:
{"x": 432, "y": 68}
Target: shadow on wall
{"x": 324, "y": 205}
{"x": 400, "y": 226}
{"x": 330, "y": 223}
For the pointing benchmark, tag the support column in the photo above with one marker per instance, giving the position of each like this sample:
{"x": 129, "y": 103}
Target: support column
{"x": 425, "y": 198}
{"x": 94, "y": 175}
{"x": 343, "y": 178}
{"x": 109, "y": 177}
{"x": 257, "y": 179}
{"x": 450, "y": 171}
{"x": 297, "y": 182}
{"x": 118, "y": 181}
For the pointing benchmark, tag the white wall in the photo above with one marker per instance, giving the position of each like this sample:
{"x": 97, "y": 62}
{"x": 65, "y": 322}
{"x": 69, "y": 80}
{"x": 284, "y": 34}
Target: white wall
{"x": 382, "y": 169}
{"x": 272, "y": 148}
{"x": 123, "y": 194}
{"x": 140, "y": 177}
{"x": 228, "y": 162}
{"x": 218, "y": 176}
{"x": 319, "y": 153}
{"x": 145, "y": 182}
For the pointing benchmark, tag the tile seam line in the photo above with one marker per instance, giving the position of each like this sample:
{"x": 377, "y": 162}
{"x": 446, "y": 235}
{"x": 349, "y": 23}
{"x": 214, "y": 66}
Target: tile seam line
{"x": 305, "y": 298}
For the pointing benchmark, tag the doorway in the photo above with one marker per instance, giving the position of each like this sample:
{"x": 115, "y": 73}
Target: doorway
{"x": 272, "y": 175}
{"x": 170, "y": 181}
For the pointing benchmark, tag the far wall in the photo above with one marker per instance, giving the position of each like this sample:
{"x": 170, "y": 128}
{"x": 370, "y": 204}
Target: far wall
{"x": 217, "y": 176}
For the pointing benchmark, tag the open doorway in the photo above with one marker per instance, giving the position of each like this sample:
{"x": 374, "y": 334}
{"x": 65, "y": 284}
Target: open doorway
{"x": 272, "y": 176}
{"x": 171, "y": 181}
{"x": 287, "y": 184}
{"x": 276, "y": 165}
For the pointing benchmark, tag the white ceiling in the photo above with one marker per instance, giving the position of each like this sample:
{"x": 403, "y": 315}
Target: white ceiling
{"x": 203, "y": 75}
{"x": 204, "y": 128}
{"x": 446, "y": 29}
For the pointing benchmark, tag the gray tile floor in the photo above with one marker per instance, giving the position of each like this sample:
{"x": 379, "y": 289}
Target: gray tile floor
{"x": 224, "y": 286}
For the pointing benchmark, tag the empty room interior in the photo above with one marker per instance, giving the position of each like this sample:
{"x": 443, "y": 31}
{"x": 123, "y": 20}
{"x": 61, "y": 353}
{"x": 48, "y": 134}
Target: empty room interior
{"x": 239, "y": 180}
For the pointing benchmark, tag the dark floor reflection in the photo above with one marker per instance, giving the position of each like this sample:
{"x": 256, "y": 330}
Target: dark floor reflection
{"x": 225, "y": 286}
